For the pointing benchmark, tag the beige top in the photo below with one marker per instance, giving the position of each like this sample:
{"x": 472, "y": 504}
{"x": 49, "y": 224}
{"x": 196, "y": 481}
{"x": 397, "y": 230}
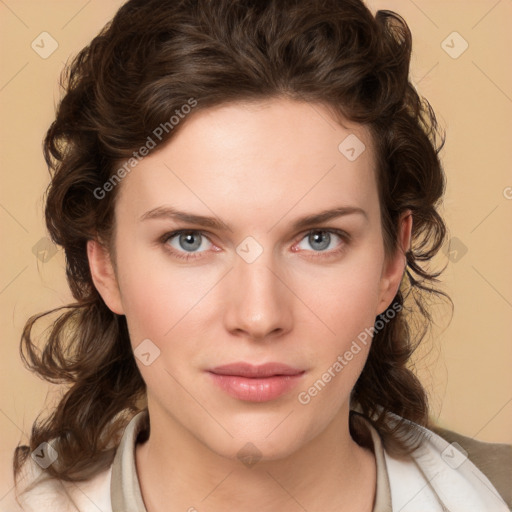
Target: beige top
{"x": 437, "y": 478}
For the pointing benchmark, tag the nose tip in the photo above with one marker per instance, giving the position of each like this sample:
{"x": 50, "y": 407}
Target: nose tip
{"x": 257, "y": 320}
{"x": 259, "y": 305}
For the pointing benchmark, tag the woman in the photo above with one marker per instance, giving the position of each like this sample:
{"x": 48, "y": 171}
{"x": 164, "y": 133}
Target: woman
{"x": 245, "y": 192}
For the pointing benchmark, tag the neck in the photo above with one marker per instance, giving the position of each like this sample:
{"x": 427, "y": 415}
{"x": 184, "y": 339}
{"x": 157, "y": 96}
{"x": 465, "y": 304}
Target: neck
{"x": 178, "y": 472}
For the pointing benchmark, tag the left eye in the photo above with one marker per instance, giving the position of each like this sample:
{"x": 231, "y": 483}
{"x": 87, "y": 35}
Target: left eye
{"x": 319, "y": 240}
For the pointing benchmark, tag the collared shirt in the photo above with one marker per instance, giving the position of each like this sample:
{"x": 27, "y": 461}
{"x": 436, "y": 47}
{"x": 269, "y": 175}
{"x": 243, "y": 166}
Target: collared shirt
{"x": 437, "y": 477}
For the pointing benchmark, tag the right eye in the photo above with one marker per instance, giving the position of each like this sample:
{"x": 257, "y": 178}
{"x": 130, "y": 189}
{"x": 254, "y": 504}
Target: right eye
{"x": 185, "y": 243}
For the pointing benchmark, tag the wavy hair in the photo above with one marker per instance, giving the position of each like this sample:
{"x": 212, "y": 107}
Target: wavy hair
{"x": 145, "y": 64}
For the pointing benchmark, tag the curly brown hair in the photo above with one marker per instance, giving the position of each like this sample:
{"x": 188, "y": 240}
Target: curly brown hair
{"x": 144, "y": 65}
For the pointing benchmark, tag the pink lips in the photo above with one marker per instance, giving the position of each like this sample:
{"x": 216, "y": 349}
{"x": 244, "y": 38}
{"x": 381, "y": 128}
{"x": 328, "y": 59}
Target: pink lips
{"x": 256, "y": 383}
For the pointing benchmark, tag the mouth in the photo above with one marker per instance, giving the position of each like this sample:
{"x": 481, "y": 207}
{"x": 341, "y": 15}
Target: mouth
{"x": 252, "y": 383}
{"x": 256, "y": 371}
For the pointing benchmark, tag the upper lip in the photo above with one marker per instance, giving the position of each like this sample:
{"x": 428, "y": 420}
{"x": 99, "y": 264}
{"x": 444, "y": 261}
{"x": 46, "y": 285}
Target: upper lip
{"x": 242, "y": 369}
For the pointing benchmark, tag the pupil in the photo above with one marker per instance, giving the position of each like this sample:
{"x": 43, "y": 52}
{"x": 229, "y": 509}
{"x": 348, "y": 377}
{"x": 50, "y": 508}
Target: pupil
{"x": 317, "y": 237}
{"x": 189, "y": 238}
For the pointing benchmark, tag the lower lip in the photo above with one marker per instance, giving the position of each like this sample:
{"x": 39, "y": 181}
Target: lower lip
{"x": 256, "y": 390}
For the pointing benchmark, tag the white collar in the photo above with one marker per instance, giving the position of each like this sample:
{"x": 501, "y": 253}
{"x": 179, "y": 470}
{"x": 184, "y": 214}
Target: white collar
{"x": 439, "y": 477}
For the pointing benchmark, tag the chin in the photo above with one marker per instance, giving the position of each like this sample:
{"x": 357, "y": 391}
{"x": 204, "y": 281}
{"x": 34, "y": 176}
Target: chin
{"x": 264, "y": 442}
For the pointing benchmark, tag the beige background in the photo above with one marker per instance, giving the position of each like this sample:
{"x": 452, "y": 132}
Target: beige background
{"x": 465, "y": 365}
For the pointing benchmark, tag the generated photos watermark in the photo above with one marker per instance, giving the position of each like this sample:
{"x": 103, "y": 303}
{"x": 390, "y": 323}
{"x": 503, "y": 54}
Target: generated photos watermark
{"x": 145, "y": 149}
{"x": 305, "y": 397}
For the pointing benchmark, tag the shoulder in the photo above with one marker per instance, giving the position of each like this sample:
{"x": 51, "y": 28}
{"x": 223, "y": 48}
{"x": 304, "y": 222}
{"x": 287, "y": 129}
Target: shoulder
{"x": 36, "y": 492}
{"x": 441, "y": 468}
{"x": 492, "y": 459}
{"x": 460, "y": 472}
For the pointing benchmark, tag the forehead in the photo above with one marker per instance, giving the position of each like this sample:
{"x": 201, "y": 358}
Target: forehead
{"x": 265, "y": 157}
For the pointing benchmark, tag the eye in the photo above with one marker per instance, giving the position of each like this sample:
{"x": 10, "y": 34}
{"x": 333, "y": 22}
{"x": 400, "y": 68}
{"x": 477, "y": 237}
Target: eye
{"x": 190, "y": 244}
{"x": 323, "y": 240}
{"x": 183, "y": 242}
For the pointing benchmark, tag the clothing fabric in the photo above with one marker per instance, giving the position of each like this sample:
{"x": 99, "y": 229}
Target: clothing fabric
{"x": 437, "y": 477}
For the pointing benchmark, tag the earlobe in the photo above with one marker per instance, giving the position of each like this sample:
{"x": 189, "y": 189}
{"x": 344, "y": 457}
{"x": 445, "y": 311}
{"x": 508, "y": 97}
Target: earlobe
{"x": 103, "y": 275}
{"x": 394, "y": 268}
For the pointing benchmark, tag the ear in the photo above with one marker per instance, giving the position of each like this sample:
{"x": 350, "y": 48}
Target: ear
{"x": 103, "y": 275}
{"x": 394, "y": 268}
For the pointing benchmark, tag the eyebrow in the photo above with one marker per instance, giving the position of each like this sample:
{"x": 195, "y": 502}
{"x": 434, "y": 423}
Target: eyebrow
{"x": 168, "y": 212}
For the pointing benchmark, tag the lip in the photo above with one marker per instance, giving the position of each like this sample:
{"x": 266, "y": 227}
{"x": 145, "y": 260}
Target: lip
{"x": 252, "y": 383}
{"x": 242, "y": 369}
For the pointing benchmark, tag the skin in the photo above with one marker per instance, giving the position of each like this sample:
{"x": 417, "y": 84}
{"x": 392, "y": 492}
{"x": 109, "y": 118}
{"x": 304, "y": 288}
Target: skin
{"x": 257, "y": 167}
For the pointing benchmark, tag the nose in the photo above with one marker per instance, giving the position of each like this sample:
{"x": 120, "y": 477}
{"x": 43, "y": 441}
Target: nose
{"x": 259, "y": 304}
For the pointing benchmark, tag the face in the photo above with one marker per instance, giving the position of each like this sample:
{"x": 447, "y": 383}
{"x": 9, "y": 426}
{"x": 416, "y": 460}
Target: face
{"x": 258, "y": 283}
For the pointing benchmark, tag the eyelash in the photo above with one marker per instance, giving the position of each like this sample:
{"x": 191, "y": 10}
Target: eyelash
{"x": 320, "y": 254}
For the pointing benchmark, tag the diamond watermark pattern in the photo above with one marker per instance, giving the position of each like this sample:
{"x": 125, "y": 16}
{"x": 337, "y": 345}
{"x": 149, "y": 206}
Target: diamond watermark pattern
{"x": 351, "y": 147}
{"x": 455, "y": 249}
{"x": 146, "y": 352}
{"x": 45, "y": 455}
{"x": 249, "y": 249}
{"x": 249, "y": 455}
{"x": 44, "y": 250}
{"x": 44, "y": 45}
{"x": 454, "y": 455}
{"x": 454, "y": 45}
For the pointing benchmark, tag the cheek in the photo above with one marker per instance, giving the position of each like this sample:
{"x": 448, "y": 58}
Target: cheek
{"x": 160, "y": 300}
{"x": 346, "y": 300}
{"x": 345, "y": 297}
